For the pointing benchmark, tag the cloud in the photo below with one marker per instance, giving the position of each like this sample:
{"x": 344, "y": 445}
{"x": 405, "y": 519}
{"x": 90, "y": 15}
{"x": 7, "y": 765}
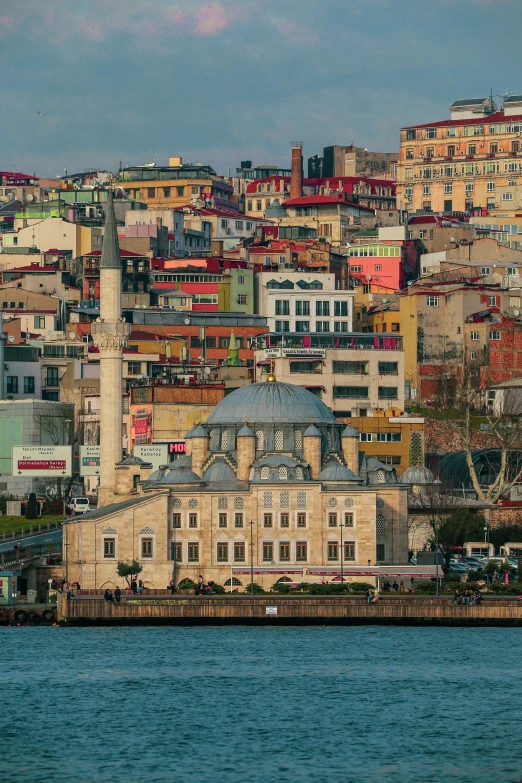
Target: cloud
{"x": 295, "y": 33}
{"x": 210, "y": 19}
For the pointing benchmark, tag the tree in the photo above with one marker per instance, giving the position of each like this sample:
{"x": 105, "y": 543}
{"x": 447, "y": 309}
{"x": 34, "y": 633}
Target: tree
{"x": 129, "y": 571}
{"x": 31, "y": 508}
{"x": 58, "y": 429}
{"x": 492, "y": 471}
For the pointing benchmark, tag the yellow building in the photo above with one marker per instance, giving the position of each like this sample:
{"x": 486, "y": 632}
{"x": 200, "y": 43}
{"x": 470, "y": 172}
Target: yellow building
{"x": 396, "y": 440}
{"x": 177, "y": 184}
{"x": 472, "y": 160}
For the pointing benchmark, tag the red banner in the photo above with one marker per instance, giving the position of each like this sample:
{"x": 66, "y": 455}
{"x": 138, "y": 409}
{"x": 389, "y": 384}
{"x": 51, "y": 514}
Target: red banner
{"x": 41, "y": 464}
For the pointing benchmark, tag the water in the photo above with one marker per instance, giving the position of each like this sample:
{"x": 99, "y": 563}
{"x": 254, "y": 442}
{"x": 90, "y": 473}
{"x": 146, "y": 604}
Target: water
{"x": 260, "y": 705}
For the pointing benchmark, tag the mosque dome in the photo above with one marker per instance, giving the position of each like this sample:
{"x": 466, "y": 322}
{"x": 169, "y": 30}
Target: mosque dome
{"x": 349, "y": 432}
{"x": 417, "y": 474}
{"x": 336, "y": 472}
{"x": 275, "y": 210}
{"x": 180, "y": 476}
{"x": 271, "y": 403}
{"x": 219, "y": 471}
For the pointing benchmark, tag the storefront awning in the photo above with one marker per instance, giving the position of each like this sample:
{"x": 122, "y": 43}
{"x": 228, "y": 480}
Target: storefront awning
{"x": 260, "y": 571}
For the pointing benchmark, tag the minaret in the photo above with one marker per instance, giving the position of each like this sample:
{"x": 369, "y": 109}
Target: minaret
{"x": 110, "y": 335}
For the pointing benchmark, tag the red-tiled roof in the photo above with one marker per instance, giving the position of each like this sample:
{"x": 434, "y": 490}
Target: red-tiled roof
{"x": 123, "y": 254}
{"x": 499, "y": 116}
{"x": 211, "y": 212}
{"x": 32, "y": 268}
{"x": 305, "y": 200}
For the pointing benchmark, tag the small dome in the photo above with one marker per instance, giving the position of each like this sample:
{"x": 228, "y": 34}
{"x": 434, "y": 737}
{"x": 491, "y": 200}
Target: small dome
{"x": 219, "y": 471}
{"x": 312, "y": 432}
{"x": 349, "y": 432}
{"x": 335, "y": 472}
{"x": 197, "y": 431}
{"x": 275, "y": 210}
{"x": 157, "y": 475}
{"x": 417, "y": 474}
{"x": 245, "y": 432}
{"x": 275, "y": 460}
{"x": 181, "y": 476}
{"x": 132, "y": 460}
{"x": 180, "y": 462}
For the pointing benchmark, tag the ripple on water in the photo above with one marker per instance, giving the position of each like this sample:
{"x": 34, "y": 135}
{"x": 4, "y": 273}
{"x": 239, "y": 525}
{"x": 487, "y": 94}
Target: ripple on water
{"x": 261, "y": 705}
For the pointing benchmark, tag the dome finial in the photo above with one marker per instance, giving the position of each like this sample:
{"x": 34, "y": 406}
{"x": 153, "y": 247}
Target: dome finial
{"x": 271, "y": 375}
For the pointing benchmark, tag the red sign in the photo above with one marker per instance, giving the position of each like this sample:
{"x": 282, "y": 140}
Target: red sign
{"x": 141, "y": 426}
{"x": 278, "y": 571}
{"x": 41, "y": 464}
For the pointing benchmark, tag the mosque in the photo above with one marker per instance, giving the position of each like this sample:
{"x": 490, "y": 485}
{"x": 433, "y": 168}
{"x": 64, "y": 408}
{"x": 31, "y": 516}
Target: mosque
{"x": 272, "y": 487}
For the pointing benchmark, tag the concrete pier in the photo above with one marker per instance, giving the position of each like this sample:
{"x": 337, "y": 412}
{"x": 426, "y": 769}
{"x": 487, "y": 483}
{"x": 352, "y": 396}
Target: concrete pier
{"x": 279, "y": 610}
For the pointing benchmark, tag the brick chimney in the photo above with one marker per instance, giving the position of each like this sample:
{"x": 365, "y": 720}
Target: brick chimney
{"x": 296, "y": 179}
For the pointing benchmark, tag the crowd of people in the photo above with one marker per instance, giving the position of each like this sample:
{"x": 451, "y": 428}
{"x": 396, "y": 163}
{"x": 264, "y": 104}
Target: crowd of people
{"x": 467, "y": 598}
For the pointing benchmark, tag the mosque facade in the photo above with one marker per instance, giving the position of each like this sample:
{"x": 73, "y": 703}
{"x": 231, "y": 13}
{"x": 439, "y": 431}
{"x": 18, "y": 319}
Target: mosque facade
{"x": 272, "y": 487}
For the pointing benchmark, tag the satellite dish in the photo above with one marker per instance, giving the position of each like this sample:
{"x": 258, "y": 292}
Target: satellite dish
{"x": 516, "y": 312}
{"x": 72, "y": 335}
{"x": 10, "y": 337}
{"x": 29, "y": 197}
{"x": 207, "y": 370}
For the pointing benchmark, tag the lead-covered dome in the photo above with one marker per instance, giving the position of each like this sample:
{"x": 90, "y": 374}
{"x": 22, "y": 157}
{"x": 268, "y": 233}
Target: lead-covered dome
{"x": 271, "y": 403}
{"x": 417, "y": 474}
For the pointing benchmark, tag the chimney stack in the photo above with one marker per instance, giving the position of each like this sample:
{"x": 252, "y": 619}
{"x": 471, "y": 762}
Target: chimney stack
{"x": 296, "y": 179}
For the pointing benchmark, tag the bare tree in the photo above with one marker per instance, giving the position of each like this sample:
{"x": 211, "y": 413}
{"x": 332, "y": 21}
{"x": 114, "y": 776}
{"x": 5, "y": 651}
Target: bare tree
{"x": 59, "y": 429}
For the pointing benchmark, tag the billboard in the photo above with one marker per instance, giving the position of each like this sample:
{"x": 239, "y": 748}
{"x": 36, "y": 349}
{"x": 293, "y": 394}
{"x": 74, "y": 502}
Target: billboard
{"x": 160, "y": 453}
{"x": 89, "y": 460}
{"x": 42, "y": 461}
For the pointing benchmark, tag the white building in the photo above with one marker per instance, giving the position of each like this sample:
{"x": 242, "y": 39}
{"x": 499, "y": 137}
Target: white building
{"x": 303, "y": 302}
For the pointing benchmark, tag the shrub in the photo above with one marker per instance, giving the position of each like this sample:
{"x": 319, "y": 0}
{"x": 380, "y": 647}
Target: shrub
{"x": 218, "y": 589}
{"x": 256, "y": 589}
{"x": 426, "y": 587}
{"x": 128, "y": 570}
{"x": 361, "y": 587}
{"x": 186, "y": 584}
{"x": 31, "y": 509}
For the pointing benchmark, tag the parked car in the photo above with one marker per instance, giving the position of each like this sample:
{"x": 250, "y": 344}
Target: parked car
{"x": 79, "y": 505}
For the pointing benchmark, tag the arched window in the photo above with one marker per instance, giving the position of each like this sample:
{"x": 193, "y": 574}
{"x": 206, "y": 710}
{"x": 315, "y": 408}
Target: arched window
{"x": 299, "y": 473}
{"x": 265, "y": 473}
{"x": 260, "y": 440}
{"x": 329, "y": 440}
{"x": 279, "y": 440}
{"x": 224, "y": 440}
{"x": 380, "y": 525}
{"x": 283, "y": 473}
{"x": 381, "y": 478}
{"x": 235, "y": 582}
{"x": 298, "y": 440}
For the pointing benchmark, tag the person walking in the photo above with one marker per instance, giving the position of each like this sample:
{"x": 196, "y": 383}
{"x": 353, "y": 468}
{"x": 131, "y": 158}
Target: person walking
{"x": 456, "y": 597}
{"x": 172, "y": 585}
{"x": 117, "y": 595}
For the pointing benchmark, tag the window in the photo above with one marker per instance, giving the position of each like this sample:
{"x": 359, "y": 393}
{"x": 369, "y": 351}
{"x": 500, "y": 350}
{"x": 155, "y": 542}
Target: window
{"x": 350, "y": 392}
{"x": 52, "y": 376}
{"x": 348, "y": 519}
{"x": 284, "y": 520}
{"x": 469, "y": 188}
{"x": 322, "y": 308}
{"x": 282, "y": 307}
{"x": 176, "y": 520}
{"x": 388, "y": 437}
{"x": 146, "y": 547}
{"x": 196, "y": 189}
{"x": 512, "y": 270}
{"x": 322, "y": 326}
{"x": 180, "y": 191}
{"x": 267, "y": 520}
{"x": 301, "y": 520}
{"x": 193, "y": 552}
{"x": 268, "y": 551}
{"x": 388, "y": 368}
{"x": 448, "y": 188}
{"x": 388, "y": 393}
{"x": 283, "y": 473}
{"x": 133, "y": 368}
{"x": 193, "y": 520}
{"x": 239, "y": 552}
{"x": 381, "y": 552}
{"x": 301, "y": 551}
{"x": 282, "y": 326}
{"x": 341, "y": 309}
{"x": 349, "y": 550}
{"x": 39, "y": 321}
{"x": 176, "y": 551}
{"x": 410, "y": 153}
{"x": 239, "y": 225}
{"x": 302, "y": 326}
{"x": 210, "y": 342}
{"x": 450, "y": 154}
{"x": 432, "y": 301}
{"x": 388, "y": 459}
{"x": 284, "y": 551}
{"x": 350, "y": 368}
{"x": 242, "y": 299}
{"x": 473, "y": 355}
{"x": 411, "y": 135}
{"x": 378, "y": 267}
{"x": 490, "y": 187}
{"x": 223, "y": 520}
{"x": 151, "y": 192}
{"x": 259, "y": 206}
{"x": 333, "y": 550}
{"x": 224, "y": 440}
{"x": 430, "y": 152}
{"x": 494, "y": 334}
{"x": 365, "y": 437}
{"x": 431, "y": 133}
{"x": 332, "y": 519}
{"x": 302, "y": 307}
{"x": 238, "y": 520}
{"x": 426, "y": 190}
{"x": 222, "y": 552}
{"x": 109, "y": 548}
{"x": 12, "y": 384}
{"x": 265, "y": 473}
{"x": 28, "y": 384}
{"x": 260, "y": 440}
{"x": 507, "y": 196}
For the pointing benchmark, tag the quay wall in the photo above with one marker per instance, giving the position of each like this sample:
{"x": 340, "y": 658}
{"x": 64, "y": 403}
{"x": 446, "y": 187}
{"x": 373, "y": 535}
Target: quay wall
{"x": 277, "y": 610}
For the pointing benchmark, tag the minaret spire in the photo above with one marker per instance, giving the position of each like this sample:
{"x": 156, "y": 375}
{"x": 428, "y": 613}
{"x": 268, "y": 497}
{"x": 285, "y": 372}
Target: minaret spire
{"x": 110, "y": 336}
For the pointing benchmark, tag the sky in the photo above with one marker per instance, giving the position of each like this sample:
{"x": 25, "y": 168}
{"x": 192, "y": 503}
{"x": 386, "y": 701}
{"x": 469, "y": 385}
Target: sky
{"x": 220, "y": 81}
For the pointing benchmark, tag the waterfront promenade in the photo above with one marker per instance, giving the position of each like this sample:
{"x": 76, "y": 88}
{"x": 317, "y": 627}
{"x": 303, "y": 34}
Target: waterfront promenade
{"x": 177, "y": 609}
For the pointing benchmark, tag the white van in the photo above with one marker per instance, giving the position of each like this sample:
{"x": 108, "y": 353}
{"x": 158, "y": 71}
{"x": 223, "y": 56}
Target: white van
{"x": 79, "y": 505}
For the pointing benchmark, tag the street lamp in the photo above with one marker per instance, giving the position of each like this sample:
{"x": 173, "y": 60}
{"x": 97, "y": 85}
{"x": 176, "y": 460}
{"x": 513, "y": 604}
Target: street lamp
{"x": 342, "y": 565}
{"x": 251, "y": 557}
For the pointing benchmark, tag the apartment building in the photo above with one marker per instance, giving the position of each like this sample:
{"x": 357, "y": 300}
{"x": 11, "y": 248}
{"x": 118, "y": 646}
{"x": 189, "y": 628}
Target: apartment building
{"x": 354, "y": 374}
{"x": 473, "y": 161}
{"x": 303, "y": 302}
